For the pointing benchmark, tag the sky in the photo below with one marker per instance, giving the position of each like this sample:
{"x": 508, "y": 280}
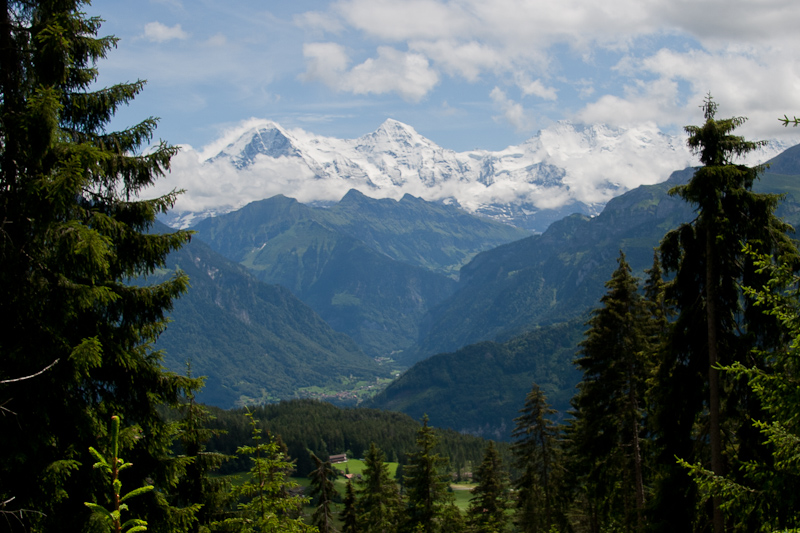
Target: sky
{"x": 467, "y": 74}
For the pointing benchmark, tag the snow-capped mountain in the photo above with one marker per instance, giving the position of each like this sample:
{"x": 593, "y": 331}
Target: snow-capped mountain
{"x": 562, "y": 170}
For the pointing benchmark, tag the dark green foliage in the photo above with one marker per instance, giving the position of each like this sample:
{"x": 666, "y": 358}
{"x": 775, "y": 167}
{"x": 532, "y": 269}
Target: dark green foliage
{"x": 266, "y": 501}
{"x": 479, "y": 389}
{"x": 537, "y": 456}
{"x": 764, "y": 495}
{"x": 348, "y": 514}
{"x": 198, "y": 485}
{"x": 72, "y": 236}
{"x": 254, "y": 342}
{"x": 325, "y": 429}
{"x": 378, "y": 506}
{"x": 111, "y": 519}
{"x": 607, "y": 431}
{"x": 425, "y": 482}
{"x": 490, "y": 497}
{"x": 321, "y": 494}
{"x": 716, "y": 323}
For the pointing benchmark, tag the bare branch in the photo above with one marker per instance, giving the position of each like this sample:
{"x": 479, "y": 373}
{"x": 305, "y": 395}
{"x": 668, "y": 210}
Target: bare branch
{"x": 42, "y": 371}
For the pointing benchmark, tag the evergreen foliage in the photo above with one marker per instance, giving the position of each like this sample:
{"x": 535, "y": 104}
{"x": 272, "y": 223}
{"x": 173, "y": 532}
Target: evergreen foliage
{"x": 267, "y": 503}
{"x": 607, "y": 430}
{"x": 73, "y": 233}
{"x": 112, "y": 519}
{"x": 348, "y": 515}
{"x": 715, "y": 323}
{"x": 490, "y": 497}
{"x": 321, "y": 494}
{"x": 766, "y": 497}
{"x": 537, "y": 455}
{"x": 379, "y": 506}
{"x": 197, "y": 486}
{"x": 425, "y": 481}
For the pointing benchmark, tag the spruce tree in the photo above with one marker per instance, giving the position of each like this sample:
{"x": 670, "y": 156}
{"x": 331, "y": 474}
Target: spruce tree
{"x": 426, "y": 481}
{"x": 607, "y": 428}
{"x": 379, "y": 503}
{"x": 349, "y": 513}
{"x": 490, "y": 497}
{"x": 322, "y": 493}
{"x": 536, "y": 456}
{"x": 716, "y": 324}
{"x": 197, "y": 486}
{"x": 73, "y": 234}
{"x": 266, "y": 501}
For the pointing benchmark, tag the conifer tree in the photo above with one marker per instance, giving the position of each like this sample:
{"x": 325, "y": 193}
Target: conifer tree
{"x": 490, "y": 497}
{"x": 322, "y": 493}
{"x": 767, "y": 498}
{"x": 267, "y": 505}
{"x": 197, "y": 486}
{"x": 536, "y": 456}
{"x": 716, "y": 324}
{"x": 73, "y": 234}
{"x": 349, "y": 514}
{"x": 607, "y": 426}
{"x": 379, "y": 503}
{"x": 426, "y": 481}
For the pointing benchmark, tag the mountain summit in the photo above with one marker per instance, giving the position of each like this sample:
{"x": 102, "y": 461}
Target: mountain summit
{"x": 563, "y": 169}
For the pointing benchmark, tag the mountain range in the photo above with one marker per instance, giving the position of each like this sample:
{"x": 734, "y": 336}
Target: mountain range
{"x": 288, "y": 295}
{"x": 519, "y": 311}
{"x": 371, "y": 268}
{"x": 563, "y": 169}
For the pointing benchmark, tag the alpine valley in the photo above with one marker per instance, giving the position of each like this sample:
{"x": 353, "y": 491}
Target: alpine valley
{"x": 289, "y": 298}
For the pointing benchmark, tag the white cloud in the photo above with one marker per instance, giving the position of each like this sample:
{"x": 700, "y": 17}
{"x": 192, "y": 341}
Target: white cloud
{"x": 513, "y": 112}
{"x": 407, "y": 74}
{"x": 159, "y": 33}
{"x": 536, "y": 88}
{"x": 325, "y": 62}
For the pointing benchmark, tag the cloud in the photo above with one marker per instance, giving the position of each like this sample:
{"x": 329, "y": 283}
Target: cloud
{"x": 536, "y": 88}
{"x": 159, "y": 33}
{"x": 407, "y": 74}
{"x": 318, "y": 22}
{"x": 513, "y": 112}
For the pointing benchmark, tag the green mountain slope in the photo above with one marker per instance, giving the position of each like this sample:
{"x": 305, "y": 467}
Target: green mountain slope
{"x": 561, "y": 274}
{"x": 254, "y": 341}
{"x": 480, "y": 388}
{"x": 371, "y": 268}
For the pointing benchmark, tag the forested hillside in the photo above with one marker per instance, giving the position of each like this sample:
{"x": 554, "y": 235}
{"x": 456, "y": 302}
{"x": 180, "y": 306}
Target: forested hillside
{"x": 252, "y": 341}
{"x": 560, "y": 274}
{"x": 480, "y": 388}
{"x": 371, "y": 268}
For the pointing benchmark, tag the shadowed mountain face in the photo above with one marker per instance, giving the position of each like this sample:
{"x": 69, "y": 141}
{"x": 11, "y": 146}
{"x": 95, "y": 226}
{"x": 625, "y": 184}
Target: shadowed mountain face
{"x": 561, "y": 273}
{"x": 371, "y": 268}
{"x": 545, "y": 286}
{"x": 255, "y": 342}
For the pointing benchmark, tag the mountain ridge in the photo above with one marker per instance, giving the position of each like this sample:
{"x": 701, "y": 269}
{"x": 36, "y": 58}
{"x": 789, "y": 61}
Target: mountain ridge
{"x": 563, "y": 169}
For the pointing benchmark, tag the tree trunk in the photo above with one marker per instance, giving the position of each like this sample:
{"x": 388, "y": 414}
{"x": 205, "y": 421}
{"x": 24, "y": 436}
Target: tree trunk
{"x": 715, "y": 435}
{"x": 637, "y": 453}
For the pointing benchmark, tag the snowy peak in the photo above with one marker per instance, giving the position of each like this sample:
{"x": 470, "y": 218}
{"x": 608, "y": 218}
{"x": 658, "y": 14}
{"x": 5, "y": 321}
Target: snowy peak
{"x": 393, "y": 135}
{"x": 563, "y": 169}
{"x": 269, "y": 139}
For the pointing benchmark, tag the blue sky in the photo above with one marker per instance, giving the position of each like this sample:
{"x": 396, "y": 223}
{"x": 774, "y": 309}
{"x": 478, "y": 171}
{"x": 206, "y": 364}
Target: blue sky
{"x": 464, "y": 73}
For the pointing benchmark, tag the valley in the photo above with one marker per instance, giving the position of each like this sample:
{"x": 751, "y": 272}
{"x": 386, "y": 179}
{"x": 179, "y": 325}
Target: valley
{"x": 461, "y": 308}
